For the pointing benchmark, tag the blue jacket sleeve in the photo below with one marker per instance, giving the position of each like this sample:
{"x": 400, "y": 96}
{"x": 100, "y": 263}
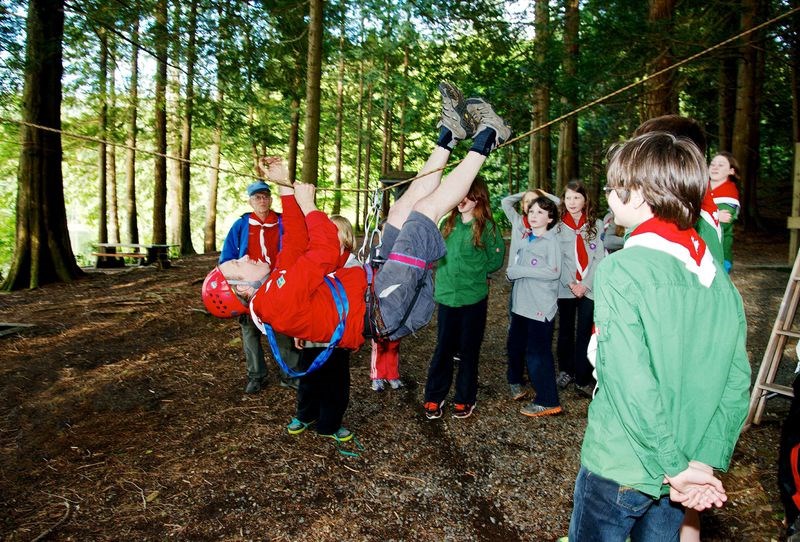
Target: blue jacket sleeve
{"x": 235, "y": 245}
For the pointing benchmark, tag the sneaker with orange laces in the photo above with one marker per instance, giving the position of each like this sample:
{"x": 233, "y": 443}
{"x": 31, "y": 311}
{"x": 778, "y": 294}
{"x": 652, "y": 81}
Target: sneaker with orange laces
{"x": 537, "y": 411}
{"x": 462, "y": 410}
{"x": 433, "y": 410}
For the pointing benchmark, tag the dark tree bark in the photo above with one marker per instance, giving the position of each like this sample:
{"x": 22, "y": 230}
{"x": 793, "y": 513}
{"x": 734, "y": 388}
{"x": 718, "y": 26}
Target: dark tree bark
{"x": 210, "y": 229}
{"x": 567, "y": 156}
{"x": 661, "y": 97}
{"x": 160, "y": 126}
{"x": 42, "y": 252}
{"x": 113, "y": 199}
{"x": 337, "y": 180}
{"x": 745, "y": 127}
{"x": 185, "y": 235}
{"x": 542, "y": 154}
{"x": 102, "y": 165}
{"x": 314, "y": 70}
{"x": 130, "y": 153}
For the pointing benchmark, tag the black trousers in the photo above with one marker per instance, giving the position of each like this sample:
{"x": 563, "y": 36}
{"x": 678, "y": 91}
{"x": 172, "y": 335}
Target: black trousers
{"x": 573, "y": 338}
{"x": 324, "y": 394}
{"x": 460, "y": 333}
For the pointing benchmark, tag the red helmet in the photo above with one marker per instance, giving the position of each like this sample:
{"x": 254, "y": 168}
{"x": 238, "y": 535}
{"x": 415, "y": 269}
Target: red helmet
{"x": 218, "y": 297}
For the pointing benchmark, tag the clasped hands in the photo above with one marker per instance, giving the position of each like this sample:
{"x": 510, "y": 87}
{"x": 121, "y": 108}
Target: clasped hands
{"x": 696, "y": 487}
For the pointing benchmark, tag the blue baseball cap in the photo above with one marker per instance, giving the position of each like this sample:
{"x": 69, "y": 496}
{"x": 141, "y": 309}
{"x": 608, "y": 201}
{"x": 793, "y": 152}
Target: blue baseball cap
{"x": 258, "y": 186}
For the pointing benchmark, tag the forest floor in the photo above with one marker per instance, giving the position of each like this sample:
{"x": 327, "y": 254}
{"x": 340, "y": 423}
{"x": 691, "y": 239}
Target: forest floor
{"x": 123, "y": 417}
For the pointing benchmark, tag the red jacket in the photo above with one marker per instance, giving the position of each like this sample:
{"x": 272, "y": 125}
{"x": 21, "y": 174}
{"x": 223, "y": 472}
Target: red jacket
{"x": 295, "y": 300}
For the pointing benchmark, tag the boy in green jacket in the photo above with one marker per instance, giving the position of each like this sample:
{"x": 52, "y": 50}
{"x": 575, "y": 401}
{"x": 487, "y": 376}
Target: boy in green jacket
{"x": 672, "y": 369}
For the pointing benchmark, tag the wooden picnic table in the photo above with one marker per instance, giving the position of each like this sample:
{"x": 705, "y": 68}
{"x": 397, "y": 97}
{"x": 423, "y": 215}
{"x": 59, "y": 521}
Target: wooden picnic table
{"x": 114, "y": 254}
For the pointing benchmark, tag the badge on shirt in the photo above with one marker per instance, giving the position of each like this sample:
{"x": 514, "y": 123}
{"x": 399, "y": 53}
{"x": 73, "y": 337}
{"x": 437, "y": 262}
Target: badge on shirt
{"x": 280, "y": 282}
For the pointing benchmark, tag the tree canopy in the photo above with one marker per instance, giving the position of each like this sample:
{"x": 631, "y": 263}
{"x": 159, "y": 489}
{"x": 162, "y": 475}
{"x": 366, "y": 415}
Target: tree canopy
{"x": 238, "y": 74}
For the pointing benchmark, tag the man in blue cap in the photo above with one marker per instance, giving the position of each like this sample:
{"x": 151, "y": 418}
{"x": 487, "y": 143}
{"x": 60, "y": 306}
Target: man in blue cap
{"x": 257, "y": 235}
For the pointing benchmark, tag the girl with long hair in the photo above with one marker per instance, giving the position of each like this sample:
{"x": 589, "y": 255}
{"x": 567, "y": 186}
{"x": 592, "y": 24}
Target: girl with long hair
{"x": 724, "y": 174}
{"x": 581, "y": 250}
{"x": 475, "y": 248}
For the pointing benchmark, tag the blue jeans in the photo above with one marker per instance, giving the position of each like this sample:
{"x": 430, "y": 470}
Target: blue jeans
{"x": 607, "y": 511}
{"x": 531, "y": 341}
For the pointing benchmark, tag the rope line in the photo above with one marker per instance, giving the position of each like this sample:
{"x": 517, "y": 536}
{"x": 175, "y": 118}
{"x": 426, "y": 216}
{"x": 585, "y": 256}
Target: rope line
{"x": 561, "y": 118}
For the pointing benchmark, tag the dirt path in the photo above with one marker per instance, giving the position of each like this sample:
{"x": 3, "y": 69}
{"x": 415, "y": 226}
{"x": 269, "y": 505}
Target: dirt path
{"x": 124, "y": 405}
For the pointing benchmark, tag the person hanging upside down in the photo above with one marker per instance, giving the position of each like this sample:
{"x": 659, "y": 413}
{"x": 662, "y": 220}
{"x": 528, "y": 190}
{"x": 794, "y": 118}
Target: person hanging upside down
{"x": 295, "y": 299}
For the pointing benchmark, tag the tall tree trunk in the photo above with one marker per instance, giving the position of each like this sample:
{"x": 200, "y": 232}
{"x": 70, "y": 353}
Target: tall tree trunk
{"x": 661, "y": 97}
{"x": 728, "y": 69}
{"x": 113, "y": 200}
{"x": 42, "y": 251}
{"x": 294, "y": 122}
{"x": 745, "y": 128}
{"x": 160, "y": 126}
{"x": 541, "y": 110}
{"x": 210, "y": 229}
{"x": 401, "y": 140}
{"x": 360, "y": 135}
{"x": 368, "y": 155}
{"x": 102, "y": 170}
{"x": 185, "y": 235}
{"x": 567, "y": 156}
{"x": 314, "y": 71}
{"x": 130, "y": 153}
{"x": 795, "y": 71}
{"x": 337, "y": 182}
{"x": 386, "y": 144}
{"x": 174, "y": 116}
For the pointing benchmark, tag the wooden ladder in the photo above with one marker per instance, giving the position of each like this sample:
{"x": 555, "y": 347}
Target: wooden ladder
{"x": 781, "y": 331}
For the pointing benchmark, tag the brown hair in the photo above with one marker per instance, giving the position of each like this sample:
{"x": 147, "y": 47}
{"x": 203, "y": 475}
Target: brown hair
{"x": 669, "y": 171}
{"x": 589, "y": 207}
{"x": 677, "y": 126}
{"x": 346, "y": 235}
{"x": 479, "y": 193}
{"x": 734, "y": 177}
{"x": 547, "y": 205}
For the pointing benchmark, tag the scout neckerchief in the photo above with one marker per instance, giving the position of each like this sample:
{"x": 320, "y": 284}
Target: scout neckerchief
{"x": 263, "y": 227}
{"x": 685, "y": 245}
{"x": 527, "y": 232}
{"x": 709, "y": 211}
{"x": 581, "y": 256}
{"x": 726, "y": 194}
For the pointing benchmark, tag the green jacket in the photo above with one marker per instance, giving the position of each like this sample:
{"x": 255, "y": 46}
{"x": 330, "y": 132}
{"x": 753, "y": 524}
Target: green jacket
{"x": 672, "y": 370}
{"x": 462, "y": 276}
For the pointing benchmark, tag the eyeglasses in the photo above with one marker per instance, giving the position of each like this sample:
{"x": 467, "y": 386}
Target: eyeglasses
{"x": 261, "y": 197}
{"x": 608, "y": 189}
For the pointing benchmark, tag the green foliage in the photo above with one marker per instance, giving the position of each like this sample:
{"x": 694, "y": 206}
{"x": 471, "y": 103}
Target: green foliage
{"x": 253, "y": 54}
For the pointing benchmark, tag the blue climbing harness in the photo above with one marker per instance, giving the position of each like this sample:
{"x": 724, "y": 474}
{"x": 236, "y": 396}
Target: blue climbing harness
{"x": 342, "y": 307}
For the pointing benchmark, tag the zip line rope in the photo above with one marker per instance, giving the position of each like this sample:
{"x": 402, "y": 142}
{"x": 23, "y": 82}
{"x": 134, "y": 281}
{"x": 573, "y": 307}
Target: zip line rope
{"x": 419, "y": 175}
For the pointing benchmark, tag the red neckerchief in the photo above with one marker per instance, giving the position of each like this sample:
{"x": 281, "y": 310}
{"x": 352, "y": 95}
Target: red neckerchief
{"x": 684, "y": 245}
{"x": 726, "y": 193}
{"x": 581, "y": 256}
{"x": 709, "y": 212}
{"x": 688, "y": 239}
{"x": 528, "y": 230}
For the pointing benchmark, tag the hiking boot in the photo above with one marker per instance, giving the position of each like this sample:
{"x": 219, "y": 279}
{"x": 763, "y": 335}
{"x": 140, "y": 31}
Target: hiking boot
{"x": 254, "y": 385}
{"x": 341, "y": 435}
{"x": 485, "y": 116}
{"x": 454, "y": 113}
{"x": 537, "y": 411}
{"x": 517, "y": 391}
{"x": 295, "y": 427}
{"x": 586, "y": 391}
{"x": 433, "y": 410}
{"x": 396, "y": 384}
{"x": 564, "y": 380}
{"x": 462, "y": 410}
{"x": 377, "y": 384}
